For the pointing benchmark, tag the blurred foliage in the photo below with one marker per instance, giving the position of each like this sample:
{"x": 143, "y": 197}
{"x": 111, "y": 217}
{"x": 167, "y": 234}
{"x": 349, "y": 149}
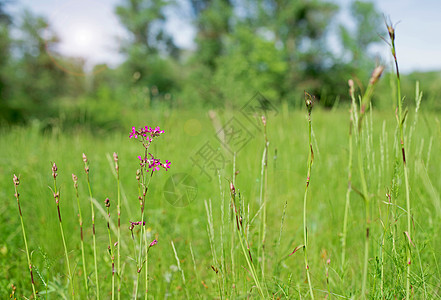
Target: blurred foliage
{"x": 276, "y": 47}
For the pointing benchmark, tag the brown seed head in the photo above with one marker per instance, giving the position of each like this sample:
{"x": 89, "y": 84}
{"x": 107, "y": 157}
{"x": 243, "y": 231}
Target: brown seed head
{"x": 309, "y": 101}
{"x": 351, "y": 87}
{"x": 54, "y": 170}
{"x": 391, "y": 31}
{"x": 84, "y": 158}
{"x": 115, "y": 158}
{"x": 75, "y": 180}
{"x": 376, "y": 74}
{"x": 107, "y": 202}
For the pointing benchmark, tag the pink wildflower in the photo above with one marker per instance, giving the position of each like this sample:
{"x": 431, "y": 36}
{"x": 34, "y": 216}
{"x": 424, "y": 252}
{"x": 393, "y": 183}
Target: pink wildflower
{"x": 154, "y": 242}
{"x": 166, "y": 165}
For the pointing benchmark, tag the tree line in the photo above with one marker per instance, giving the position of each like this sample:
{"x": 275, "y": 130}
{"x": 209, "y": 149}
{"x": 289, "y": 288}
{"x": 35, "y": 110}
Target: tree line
{"x": 276, "y": 47}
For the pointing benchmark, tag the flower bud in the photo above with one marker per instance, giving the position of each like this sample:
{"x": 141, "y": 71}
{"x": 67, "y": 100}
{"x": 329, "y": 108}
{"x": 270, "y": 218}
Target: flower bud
{"x": 154, "y": 242}
{"x": 54, "y": 170}
{"x": 75, "y": 180}
{"x": 15, "y": 180}
{"x": 232, "y": 189}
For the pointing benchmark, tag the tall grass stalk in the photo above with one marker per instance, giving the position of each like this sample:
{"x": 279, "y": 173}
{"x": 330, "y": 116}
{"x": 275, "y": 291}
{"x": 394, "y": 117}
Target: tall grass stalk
{"x": 222, "y": 244}
{"x": 110, "y": 248}
{"x": 401, "y": 119}
{"x": 230, "y": 217}
{"x": 241, "y": 233}
{"x": 118, "y": 235}
{"x": 348, "y": 191}
{"x": 383, "y": 241}
{"x": 210, "y": 231}
{"x": 86, "y": 169}
{"x": 57, "y": 202}
{"x": 263, "y": 192}
{"x": 17, "y": 195}
{"x": 309, "y": 104}
{"x": 180, "y": 269}
{"x": 80, "y": 220}
{"x": 364, "y": 106}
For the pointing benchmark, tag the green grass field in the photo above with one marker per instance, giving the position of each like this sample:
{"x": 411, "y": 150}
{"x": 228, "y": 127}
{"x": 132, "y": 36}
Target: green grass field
{"x": 212, "y": 264}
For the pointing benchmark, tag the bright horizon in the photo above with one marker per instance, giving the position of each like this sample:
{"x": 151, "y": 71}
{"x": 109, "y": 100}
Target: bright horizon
{"x": 92, "y": 30}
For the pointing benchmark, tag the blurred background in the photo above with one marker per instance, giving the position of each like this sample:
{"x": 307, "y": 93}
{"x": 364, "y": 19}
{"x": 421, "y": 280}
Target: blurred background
{"x": 96, "y": 62}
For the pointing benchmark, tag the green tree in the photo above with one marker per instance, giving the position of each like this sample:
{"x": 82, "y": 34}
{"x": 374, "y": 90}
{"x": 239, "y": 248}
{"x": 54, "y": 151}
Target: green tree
{"x": 149, "y": 46}
{"x": 38, "y": 81}
{"x": 5, "y": 45}
{"x": 300, "y": 28}
{"x": 251, "y": 64}
{"x": 369, "y": 26}
{"x": 212, "y": 19}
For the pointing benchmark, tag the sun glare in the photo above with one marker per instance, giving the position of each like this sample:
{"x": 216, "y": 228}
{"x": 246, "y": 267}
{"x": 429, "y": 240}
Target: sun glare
{"x": 87, "y": 30}
{"x": 82, "y": 40}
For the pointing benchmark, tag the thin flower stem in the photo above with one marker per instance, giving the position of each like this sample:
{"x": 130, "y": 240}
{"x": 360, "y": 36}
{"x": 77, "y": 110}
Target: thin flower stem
{"x": 118, "y": 207}
{"x": 241, "y": 235}
{"x": 233, "y": 240}
{"x": 263, "y": 192}
{"x": 309, "y": 103}
{"x": 146, "y": 269}
{"x": 144, "y": 187}
{"x": 57, "y": 200}
{"x": 386, "y": 227}
{"x": 180, "y": 269}
{"x": 367, "y": 216}
{"x": 145, "y": 135}
{"x": 364, "y": 106}
{"x": 80, "y": 220}
{"x": 110, "y": 248}
{"x": 16, "y": 183}
{"x": 86, "y": 168}
{"x": 401, "y": 118}
{"x": 348, "y": 191}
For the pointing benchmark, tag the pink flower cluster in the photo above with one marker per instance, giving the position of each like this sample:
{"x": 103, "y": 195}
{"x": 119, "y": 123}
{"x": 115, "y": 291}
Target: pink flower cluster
{"x": 146, "y": 135}
{"x": 153, "y": 163}
{"x": 133, "y": 224}
{"x": 147, "y": 132}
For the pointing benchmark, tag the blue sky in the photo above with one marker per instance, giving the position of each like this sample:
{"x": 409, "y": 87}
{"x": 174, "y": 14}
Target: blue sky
{"x": 90, "y": 28}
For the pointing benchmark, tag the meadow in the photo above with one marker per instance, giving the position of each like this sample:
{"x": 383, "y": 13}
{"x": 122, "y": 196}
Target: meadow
{"x": 209, "y": 241}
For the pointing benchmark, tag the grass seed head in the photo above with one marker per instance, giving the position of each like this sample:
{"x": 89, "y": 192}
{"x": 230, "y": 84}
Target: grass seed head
{"x": 309, "y": 101}
{"x": 54, "y": 170}
{"x": 376, "y": 74}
